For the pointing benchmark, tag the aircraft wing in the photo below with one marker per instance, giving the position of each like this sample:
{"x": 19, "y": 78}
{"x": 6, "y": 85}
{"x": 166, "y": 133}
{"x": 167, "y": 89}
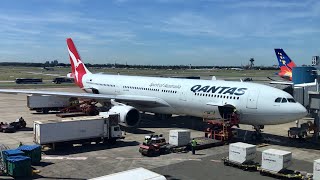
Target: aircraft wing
{"x": 140, "y": 100}
{"x": 215, "y": 103}
{"x": 281, "y": 82}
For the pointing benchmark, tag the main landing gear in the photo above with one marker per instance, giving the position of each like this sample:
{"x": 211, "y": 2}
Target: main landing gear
{"x": 257, "y": 135}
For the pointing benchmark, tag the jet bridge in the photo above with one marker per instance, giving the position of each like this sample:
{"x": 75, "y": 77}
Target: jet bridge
{"x": 314, "y": 107}
{"x": 314, "y": 99}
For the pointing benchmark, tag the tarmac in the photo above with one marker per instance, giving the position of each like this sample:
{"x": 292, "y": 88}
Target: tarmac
{"x": 94, "y": 160}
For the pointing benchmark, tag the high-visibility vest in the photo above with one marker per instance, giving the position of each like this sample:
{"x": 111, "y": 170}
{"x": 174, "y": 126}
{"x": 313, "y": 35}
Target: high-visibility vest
{"x": 193, "y": 143}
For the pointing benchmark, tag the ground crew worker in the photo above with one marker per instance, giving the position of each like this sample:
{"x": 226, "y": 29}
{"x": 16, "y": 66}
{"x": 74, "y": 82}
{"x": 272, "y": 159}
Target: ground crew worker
{"x": 193, "y": 146}
{"x": 146, "y": 141}
{"x": 235, "y": 111}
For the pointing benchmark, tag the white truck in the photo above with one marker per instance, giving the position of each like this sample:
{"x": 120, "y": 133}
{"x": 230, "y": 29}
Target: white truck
{"x": 133, "y": 174}
{"x": 46, "y": 103}
{"x": 77, "y": 130}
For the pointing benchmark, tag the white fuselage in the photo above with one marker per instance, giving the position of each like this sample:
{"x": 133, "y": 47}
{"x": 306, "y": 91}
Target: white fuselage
{"x": 255, "y": 102}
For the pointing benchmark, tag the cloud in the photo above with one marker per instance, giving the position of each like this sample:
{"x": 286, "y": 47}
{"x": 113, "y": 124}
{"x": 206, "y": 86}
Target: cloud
{"x": 173, "y": 29}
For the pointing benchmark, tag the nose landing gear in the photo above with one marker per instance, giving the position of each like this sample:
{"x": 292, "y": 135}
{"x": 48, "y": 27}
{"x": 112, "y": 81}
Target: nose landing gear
{"x": 257, "y": 135}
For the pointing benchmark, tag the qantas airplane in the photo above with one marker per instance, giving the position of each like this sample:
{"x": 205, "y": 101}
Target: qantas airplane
{"x": 256, "y": 104}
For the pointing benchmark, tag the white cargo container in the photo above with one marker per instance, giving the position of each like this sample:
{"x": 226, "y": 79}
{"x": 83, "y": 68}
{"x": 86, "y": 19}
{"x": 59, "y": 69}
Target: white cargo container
{"x": 77, "y": 129}
{"x": 275, "y": 160}
{"x": 179, "y": 137}
{"x": 133, "y": 174}
{"x": 316, "y": 169}
{"x": 47, "y": 103}
{"x": 241, "y": 152}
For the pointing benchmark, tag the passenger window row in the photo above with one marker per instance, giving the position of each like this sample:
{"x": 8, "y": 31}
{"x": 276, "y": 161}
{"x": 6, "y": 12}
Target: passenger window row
{"x": 284, "y": 100}
{"x": 169, "y": 91}
{"x": 109, "y": 85}
{"x": 216, "y": 96}
{"x": 141, "y": 88}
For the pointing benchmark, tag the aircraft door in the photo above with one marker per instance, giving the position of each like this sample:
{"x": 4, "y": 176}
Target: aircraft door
{"x": 182, "y": 96}
{"x": 253, "y": 99}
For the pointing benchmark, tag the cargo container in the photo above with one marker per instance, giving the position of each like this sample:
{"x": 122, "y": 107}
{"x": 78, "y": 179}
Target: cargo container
{"x": 179, "y": 137}
{"x": 32, "y": 151}
{"x": 276, "y": 160}
{"x": 133, "y": 174}
{"x": 19, "y": 166}
{"x": 46, "y": 103}
{"x": 9, "y": 153}
{"x": 316, "y": 169}
{"x": 241, "y": 152}
{"x": 78, "y": 130}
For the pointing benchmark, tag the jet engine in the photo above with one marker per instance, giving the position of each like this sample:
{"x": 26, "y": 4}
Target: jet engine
{"x": 129, "y": 115}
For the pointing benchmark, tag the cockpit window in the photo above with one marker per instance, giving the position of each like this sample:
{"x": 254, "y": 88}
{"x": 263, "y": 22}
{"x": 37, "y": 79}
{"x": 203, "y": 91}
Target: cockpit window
{"x": 278, "y": 100}
{"x": 284, "y": 100}
{"x": 291, "y": 100}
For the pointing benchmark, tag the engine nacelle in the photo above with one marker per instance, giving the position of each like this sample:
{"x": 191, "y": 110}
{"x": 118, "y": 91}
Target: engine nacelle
{"x": 129, "y": 115}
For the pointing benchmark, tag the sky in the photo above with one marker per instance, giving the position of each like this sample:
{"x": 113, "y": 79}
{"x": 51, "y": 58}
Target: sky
{"x": 160, "y": 32}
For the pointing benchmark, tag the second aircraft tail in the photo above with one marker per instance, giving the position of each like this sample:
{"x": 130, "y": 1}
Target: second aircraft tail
{"x": 285, "y": 64}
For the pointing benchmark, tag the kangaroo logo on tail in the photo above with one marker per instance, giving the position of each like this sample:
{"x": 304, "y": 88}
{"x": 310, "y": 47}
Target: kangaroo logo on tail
{"x": 77, "y": 66}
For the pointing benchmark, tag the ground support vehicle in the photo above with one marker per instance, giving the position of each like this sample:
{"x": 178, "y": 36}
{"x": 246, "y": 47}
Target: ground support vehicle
{"x": 221, "y": 129}
{"x": 295, "y": 132}
{"x": 6, "y": 128}
{"x": 62, "y": 80}
{"x": 153, "y": 145}
{"x": 86, "y": 107}
{"x": 77, "y": 130}
{"x": 204, "y": 143}
{"x": 156, "y": 145}
{"x": 45, "y": 104}
{"x": 19, "y": 123}
{"x": 28, "y": 81}
{"x": 284, "y": 174}
{"x": 247, "y": 166}
{"x": 301, "y": 132}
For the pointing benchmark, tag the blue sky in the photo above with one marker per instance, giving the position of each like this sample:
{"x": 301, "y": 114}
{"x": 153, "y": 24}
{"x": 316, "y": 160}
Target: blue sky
{"x": 198, "y": 32}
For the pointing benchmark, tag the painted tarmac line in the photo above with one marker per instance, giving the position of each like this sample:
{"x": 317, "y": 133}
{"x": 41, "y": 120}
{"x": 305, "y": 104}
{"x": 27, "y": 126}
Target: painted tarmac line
{"x": 137, "y": 158}
{"x": 63, "y": 158}
{"x": 118, "y": 158}
{"x": 52, "y": 158}
{"x": 102, "y": 158}
{"x": 177, "y": 159}
{"x": 218, "y": 161}
{"x": 157, "y": 159}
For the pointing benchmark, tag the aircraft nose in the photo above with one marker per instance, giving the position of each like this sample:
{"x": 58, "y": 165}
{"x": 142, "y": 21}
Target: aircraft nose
{"x": 301, "y": 111}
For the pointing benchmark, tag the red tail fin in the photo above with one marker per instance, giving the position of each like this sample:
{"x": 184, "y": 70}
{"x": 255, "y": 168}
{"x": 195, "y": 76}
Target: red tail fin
{"x": 78, "y": 68}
